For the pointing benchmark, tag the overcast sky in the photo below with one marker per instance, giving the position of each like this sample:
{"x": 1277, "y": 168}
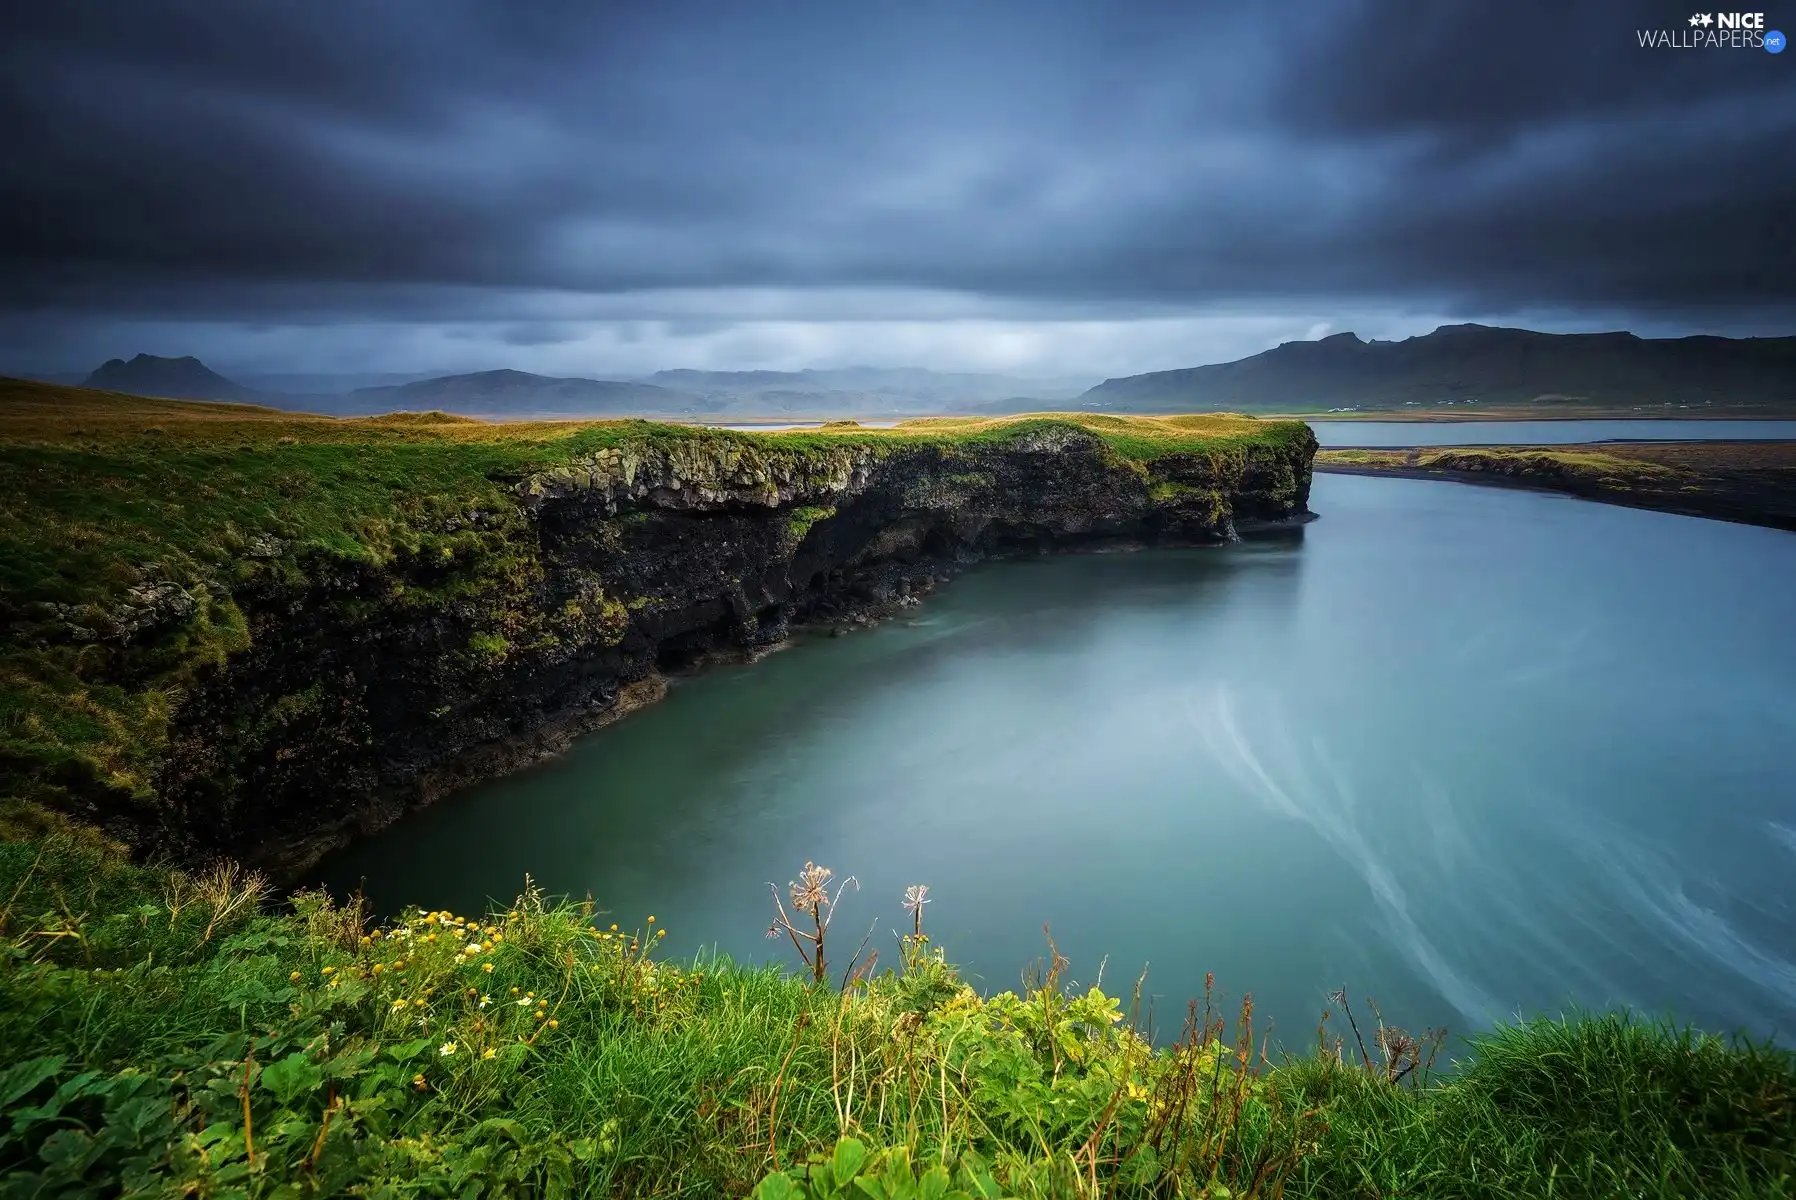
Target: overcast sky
{"x": 606, "y": 187}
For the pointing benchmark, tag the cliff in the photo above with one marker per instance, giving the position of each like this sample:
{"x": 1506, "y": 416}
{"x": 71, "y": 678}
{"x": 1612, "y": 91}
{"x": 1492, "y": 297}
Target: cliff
{"x": 234, "y": 631}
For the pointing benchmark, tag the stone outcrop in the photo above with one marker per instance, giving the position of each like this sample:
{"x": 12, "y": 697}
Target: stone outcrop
{"x": 368, "y": 690}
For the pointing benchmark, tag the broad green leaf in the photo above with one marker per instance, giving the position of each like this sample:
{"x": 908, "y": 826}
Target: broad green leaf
{"x": 21, "y": 1078}
{"x": 850, "y": 1154}
{"x": 778, "y": 1187}
{"x": 292, "y": 1077}
{"x": 406, "y": 1051}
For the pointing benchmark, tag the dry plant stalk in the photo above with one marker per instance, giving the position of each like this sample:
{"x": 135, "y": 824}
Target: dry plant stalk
{"x": 811, "y": 898}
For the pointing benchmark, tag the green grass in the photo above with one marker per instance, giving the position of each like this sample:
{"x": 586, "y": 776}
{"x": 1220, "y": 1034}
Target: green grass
{"x": 1520, "y": 462}
{"x": 107, "y": 501}
{"x": 165, "y": 1035}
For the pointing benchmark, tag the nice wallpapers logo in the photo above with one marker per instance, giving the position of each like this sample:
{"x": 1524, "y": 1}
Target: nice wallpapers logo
{"x": 1716, "y": 31}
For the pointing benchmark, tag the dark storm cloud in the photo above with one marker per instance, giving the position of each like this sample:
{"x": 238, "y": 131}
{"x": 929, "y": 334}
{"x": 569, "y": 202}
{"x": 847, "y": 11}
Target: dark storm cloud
{"x": 262, "y": 159}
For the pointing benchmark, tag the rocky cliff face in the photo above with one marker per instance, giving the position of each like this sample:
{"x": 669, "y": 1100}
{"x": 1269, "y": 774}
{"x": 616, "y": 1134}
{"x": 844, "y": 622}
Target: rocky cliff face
{"x": 370, "y": 690}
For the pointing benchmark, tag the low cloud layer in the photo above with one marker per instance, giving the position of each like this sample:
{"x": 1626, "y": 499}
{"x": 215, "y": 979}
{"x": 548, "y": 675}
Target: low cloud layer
{"x": 596, "y": 189}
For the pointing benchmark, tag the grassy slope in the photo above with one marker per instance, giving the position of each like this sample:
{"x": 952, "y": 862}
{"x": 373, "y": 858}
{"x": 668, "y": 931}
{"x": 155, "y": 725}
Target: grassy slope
{"x": 101, "y": 494}
{"x": 1752, "y": 482}
{"x": 160, "y": 1036}
{"x": 1539, "y": 462}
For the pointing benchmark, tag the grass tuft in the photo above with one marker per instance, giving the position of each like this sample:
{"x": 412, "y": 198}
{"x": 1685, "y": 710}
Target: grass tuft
{"x": 168, "y": 1035}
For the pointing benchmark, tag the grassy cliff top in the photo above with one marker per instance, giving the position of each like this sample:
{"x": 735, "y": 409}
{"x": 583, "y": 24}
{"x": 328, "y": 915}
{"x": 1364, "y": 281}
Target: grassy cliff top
{"x": 97, "y": 488}
{"x": 165, "y": 1034}
{"x": 130, "y": 527}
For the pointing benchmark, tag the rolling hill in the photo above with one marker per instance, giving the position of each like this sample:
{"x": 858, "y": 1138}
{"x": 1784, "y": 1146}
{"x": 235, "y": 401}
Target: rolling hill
{"x": 1459, "y": 363}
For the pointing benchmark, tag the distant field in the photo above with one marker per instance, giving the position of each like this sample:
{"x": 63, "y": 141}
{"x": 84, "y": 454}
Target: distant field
{"x": 1556, "y": 412}
{"x": 1752, "y": 482}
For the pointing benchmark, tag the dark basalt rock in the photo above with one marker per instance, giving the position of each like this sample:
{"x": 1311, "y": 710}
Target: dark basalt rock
{"x": 368, "y": 691}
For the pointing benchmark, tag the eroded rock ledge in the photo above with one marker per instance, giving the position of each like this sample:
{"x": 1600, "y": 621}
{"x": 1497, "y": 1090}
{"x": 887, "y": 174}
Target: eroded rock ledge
{"x": 370, "y": 690}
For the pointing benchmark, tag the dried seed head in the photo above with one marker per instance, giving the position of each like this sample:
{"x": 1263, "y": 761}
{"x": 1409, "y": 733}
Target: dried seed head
{"x": 808, "y": 893}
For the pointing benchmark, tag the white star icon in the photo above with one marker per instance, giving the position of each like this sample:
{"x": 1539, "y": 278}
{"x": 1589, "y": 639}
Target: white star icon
{"x": 1706, "y": 20}
{"x": 1696, "y": 19}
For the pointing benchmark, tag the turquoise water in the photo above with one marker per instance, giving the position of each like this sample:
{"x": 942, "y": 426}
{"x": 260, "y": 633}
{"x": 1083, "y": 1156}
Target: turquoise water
{"x": 1471, "y": 752}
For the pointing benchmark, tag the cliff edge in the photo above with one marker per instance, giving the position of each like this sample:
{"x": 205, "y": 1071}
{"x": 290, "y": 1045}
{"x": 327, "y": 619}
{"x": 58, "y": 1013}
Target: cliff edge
{"x": 234, "y": 631}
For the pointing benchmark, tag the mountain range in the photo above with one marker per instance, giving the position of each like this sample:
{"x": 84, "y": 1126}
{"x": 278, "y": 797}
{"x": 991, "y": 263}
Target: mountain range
{"x": 1460, "y": 363}
{"x": 1455, "y": 364}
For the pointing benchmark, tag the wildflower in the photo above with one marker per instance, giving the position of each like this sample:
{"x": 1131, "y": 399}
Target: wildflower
{"x": 327, "y": 970}
{"x": 366, "y": 939}
{"x": 660, "y": 933}
{"x": 524, "y": 1003}
{"x": 487, "y": 947}
{"x": 554, "y": 1024}
{"x": 487, "y": 967}
{"x": 378, "y": 968}
{"x": 485, "y": 1000}
{"x": 294, "y": 977}
{"x": 472, "y": 948}
{"x": 614, "y": 929}
{"x": 375, "y": 934}
{"x": 418, "y": 1082}
{"x": 446, "y": 1049}
{"x": 514, "y": 991}
{"x": 808, "y": 894}
{"x": 399, "y": 1004}
{"x": 651, "y": 918}
{"x": 489, "y": 1052}
{"x": 915, "y": 897}
{"x": 498, "y": 937}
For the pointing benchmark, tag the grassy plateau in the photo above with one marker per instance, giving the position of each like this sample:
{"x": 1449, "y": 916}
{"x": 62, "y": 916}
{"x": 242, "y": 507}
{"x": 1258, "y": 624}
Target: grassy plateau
{"x": 176, "y": 1032}
{"x": 1751, "y": 482}
{"x": 117, "y": 512}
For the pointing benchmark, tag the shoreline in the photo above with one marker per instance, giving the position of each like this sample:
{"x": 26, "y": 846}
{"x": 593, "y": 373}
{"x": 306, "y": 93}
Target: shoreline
{"x": 490, "y": 761}
{"x": 1745, "y": 482}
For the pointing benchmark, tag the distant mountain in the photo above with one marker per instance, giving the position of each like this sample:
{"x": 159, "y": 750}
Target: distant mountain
{"x": 171, "y": 378}
{"x": 519, "y": 393}
{"x": 1472, "y": 362}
